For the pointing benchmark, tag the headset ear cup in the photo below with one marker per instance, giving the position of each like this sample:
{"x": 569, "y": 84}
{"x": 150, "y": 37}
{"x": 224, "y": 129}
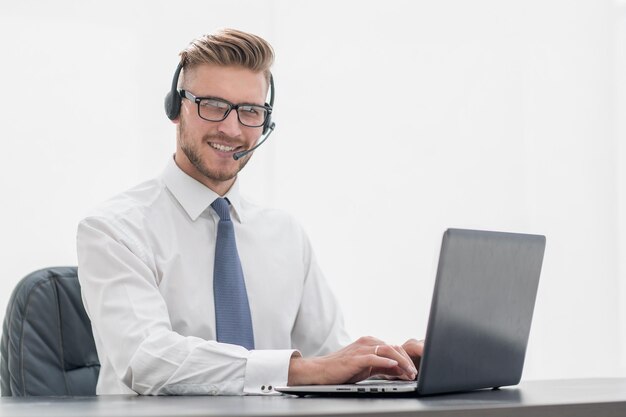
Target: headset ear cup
{"x": 172, "y": 105}
{"x": 267, "y": 124}
{"x": 173, "y": 100}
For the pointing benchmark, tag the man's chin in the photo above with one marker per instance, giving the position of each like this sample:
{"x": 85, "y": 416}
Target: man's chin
{"x": 220, "y": 170}
{"x": 217, "y": 175}
{"x": 221, "y": 177}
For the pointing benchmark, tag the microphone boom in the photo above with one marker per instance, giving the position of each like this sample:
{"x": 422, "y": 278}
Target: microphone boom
{"x": 239, "y": 155}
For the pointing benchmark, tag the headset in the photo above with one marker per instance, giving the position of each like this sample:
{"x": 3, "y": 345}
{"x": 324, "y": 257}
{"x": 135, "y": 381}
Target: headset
{"x": 173, "y": 102}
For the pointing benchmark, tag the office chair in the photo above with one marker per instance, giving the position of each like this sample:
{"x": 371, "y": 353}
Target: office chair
{"x": 47, "y": 347}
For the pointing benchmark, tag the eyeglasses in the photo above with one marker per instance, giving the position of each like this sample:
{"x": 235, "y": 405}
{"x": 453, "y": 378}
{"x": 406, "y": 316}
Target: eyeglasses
{"x": 216, "y": 109}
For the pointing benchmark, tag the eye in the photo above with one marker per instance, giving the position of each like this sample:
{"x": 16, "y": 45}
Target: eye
{"x": 213, "y": 103}
{"x": 251, "y": 110}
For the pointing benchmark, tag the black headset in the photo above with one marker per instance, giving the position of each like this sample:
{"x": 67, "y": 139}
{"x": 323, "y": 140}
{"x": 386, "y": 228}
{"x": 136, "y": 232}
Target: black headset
{"x": 173, "y": 101}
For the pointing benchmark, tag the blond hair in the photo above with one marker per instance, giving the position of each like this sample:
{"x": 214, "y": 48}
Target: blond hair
{"x": 230, "y": 47}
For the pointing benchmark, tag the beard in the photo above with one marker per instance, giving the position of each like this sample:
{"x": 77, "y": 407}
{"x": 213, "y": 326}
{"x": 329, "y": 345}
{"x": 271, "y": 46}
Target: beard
{"x": 193, "y": 151}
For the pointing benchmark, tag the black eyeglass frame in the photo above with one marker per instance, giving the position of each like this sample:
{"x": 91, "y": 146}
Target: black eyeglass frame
{"x": 189, "y": 96}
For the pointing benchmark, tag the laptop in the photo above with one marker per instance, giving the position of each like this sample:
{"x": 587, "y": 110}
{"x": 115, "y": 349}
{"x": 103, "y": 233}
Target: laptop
{"x": 479, "y": 321}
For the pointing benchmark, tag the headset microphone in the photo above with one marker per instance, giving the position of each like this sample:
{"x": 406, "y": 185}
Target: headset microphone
{"x": 238, "y": 155}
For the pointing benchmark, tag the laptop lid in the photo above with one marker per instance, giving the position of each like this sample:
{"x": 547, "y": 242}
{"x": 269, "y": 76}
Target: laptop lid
{"x": 480, "y": 316}
{"x": 481, "y": 311}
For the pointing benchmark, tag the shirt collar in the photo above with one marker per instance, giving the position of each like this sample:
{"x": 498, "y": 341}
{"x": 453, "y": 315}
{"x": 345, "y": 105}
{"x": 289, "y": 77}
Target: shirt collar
{"x": 194, "y": 196}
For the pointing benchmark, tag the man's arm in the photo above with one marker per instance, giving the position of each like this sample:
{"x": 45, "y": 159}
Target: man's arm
{"x": 130, "y": 317}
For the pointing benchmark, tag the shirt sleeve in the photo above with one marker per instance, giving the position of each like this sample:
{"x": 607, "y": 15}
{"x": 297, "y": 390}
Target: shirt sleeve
{"x": 130, "y": 317}
{"x": 319, "y": 328}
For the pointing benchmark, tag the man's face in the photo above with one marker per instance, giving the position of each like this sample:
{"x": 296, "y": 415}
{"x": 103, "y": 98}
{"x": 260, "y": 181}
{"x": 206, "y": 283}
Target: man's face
{"x": 205, "y": 149}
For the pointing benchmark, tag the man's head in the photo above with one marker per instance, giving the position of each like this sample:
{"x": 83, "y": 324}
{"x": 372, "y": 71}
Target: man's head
{"x": 227, "y": 67}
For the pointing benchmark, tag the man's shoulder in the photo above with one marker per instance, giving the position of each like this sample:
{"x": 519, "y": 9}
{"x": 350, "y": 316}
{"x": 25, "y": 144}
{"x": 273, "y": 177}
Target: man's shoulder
{"x": 137, "y": 202}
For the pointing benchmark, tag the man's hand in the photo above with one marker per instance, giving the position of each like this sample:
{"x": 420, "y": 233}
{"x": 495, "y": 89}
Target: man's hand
{"x": 366, "y": 357}
{"x": 415, "y": 350}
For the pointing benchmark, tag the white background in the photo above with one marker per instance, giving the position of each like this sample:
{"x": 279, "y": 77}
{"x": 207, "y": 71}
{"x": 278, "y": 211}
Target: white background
{"x": 395, "y": 120}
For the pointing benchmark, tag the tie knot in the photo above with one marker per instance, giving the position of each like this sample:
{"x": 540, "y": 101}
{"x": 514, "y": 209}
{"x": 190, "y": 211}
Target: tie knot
{"x": 220, "y": 206}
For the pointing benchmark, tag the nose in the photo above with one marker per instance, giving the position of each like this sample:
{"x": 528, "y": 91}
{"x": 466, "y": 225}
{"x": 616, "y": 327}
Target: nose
{"x": 230, "y": 126}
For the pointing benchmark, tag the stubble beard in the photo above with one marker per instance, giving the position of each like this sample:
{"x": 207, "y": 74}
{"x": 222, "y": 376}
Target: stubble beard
{"x": 191, "y": 151}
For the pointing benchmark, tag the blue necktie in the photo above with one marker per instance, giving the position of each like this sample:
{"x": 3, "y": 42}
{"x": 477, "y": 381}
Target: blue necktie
{"x": 232, "y": 311}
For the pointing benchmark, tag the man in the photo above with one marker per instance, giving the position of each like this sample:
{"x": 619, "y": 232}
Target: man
{"x": 190, "y": 288}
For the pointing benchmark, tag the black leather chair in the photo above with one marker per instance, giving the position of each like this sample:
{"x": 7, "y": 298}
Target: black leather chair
{"x": 47, "y": 347}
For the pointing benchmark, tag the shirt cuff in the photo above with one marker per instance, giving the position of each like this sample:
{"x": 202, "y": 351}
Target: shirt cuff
{"x": 266, "y": 369}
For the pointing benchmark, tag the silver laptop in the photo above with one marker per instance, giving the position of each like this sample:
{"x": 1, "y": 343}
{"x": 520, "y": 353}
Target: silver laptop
{"x": 479, "y": 320}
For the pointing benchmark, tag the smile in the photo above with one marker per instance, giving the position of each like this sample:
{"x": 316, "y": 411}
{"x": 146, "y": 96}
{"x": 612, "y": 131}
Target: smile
{"x": 222, "y": 148}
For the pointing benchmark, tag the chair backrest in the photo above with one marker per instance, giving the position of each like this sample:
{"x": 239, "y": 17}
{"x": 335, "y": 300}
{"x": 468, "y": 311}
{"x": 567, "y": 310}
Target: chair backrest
{"x": 47, "y": 347}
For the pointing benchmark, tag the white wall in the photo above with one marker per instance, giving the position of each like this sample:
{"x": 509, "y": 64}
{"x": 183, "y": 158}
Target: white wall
{"x": 619, "y": 48}
{"x": 495, "y": 115}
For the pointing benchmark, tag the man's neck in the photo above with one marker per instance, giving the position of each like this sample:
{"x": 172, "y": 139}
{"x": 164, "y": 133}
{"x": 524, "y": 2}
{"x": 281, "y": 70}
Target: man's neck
{"x": 219, "y": 187}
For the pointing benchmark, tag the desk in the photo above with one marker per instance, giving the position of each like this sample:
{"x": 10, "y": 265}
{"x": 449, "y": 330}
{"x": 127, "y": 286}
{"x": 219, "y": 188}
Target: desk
{"x": 584, "y": 397}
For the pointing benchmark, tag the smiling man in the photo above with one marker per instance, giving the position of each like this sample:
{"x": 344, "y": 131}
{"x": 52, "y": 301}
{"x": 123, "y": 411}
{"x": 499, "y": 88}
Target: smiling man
{"x": 205, "y": 150}
{"x": 192, "y": 289}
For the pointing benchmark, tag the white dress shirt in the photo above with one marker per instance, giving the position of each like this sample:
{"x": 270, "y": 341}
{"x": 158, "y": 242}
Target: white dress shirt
{"x": 145, "y": 265}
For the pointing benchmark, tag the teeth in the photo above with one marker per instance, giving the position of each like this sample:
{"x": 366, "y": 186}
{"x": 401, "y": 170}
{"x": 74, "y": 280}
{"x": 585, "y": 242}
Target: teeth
{"x": 221, "y": 147}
